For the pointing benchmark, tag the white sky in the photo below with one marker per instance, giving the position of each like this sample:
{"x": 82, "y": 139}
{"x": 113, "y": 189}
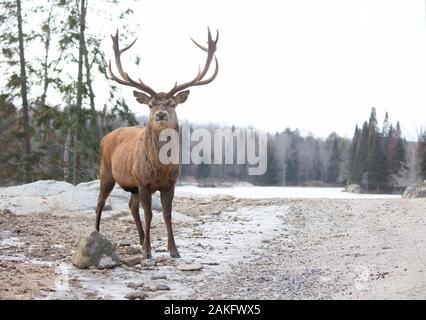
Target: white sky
{"x": 314, "y": 65}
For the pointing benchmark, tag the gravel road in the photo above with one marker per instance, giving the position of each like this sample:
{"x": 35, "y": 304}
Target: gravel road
{"x": 230, "y": 248}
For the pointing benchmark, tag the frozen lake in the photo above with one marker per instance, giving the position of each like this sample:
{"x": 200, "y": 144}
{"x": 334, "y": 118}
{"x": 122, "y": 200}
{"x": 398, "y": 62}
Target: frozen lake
{"x": 280, "y": 192}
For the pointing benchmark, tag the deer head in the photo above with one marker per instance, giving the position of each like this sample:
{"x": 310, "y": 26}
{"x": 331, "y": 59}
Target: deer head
{"x": 162, "y": 105}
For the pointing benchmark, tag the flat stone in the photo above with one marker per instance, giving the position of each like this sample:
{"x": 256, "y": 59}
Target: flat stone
{"x": 135, "y": 285}
{"x": 133, "y": 250}
{"x": 131, "y": 261}
{"x": 136, "y": 295}
{"x": 163, "y": 287}
{"x": 190, "y": 267}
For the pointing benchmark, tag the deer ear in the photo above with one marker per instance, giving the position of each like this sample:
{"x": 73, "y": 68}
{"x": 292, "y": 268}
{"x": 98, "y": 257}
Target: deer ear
{"x": 182, "y": 96}
{"x": 141, "y": 97}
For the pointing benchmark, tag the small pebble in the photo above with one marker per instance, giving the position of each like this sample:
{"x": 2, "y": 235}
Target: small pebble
{"x": 163, "y": 287}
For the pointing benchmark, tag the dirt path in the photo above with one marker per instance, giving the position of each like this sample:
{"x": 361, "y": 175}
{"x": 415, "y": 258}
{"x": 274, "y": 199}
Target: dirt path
{"x": 339, "y": 249}
{"x": 261, "y": 249}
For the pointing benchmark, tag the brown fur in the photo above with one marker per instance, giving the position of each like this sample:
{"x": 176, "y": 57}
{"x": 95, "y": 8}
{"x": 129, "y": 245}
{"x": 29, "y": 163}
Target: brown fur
{"x": 130, "y": 156}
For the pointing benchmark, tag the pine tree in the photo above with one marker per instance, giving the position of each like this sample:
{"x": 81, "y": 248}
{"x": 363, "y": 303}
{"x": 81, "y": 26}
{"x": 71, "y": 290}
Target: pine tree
{"x": 333, "y": 167}
{"x": 317, "y": 165}
{"x": 203, "y": 171}
{"x": 353, "y": 173}
{"x": 361, "y": 156}
{"x": 376, "y": 164}
{"x": 400, "y": 162}
{"x": 10, "y": 168}
{"x": 292, "y": 162}
{"x": 12, "y": 18}
{"x": 377, "y": 168}
{"x": 273, "y": 175}
{"x": 421, "y": 156}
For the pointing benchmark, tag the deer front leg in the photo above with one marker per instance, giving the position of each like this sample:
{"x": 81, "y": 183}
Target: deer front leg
{"x": 134, "y": 208}
{"x": 166, "y": 203}
{"x": 145, "y": 197}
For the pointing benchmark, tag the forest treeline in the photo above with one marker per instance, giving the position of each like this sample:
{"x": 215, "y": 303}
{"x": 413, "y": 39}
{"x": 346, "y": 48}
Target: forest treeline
{"x": 52, "y": 117}
{"x": 378, "y": 158}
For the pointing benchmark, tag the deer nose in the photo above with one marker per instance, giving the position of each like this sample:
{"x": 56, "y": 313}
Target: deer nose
{"x": 161, "y": 115}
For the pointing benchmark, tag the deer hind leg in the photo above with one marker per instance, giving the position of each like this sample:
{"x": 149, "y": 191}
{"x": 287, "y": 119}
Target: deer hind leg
{"x": 134, "y": 208}
{"x": 106, "y": 187}
{"x": 166, "y": 203}
{"x": 145, "y": 198}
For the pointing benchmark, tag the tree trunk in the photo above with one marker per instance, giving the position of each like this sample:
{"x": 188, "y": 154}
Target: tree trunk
{"x": 77, "y": 159}
{"x": 78, "y": 111}
{"x": 25, "y": 107}
{"x": 93, "y": 123}
{"x": 45, "y": 124}
{"x": 67, "y": 149}
{"x": 46, "y": 43}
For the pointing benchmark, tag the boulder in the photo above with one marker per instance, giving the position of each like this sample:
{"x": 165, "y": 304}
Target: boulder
{"x": 415, "y": 191}
{"x": 95, "y": 250}
{"x": 58, "y": 197}
{"x": 353, "y": 188}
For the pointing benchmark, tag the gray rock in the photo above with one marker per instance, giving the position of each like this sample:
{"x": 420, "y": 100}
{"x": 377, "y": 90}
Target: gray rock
{"x": 95, "y": 250}
{"x": 163, "y": 287}
{"x": 133, "y": 250}
{"x": 134, "y": 285}
{"x": 131, "y": 261}
{"x": 415, "y": 191}
{"x": 190, "y": 267}
{"x": 159, "y": 277}
{"x": 353, "y": 188}
{"x": 134, "y": 295}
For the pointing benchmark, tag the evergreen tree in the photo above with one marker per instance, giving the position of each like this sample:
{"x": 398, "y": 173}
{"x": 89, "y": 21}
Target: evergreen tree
{"x": 361, "y": 156}
{"x": 376, "y": 164}
{"x": 377, "y": 168}
{"x": 203, "y": 171}
{"x": 421, "y": 156}
{"x": 10, "y": 155}
{"x": 292, "y": 162}
{"x": 317, "y": 165}
{"x": 400, "y": 162}
{"x": 333, "y": 167}
{"x": 353, "y": 173}
{"x": 12, "y": 18}
{"x": 377, "y": 157}
{"x": 273, "y": 175}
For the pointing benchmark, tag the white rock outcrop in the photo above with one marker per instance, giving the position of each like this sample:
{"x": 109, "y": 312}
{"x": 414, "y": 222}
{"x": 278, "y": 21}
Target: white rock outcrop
{"x": 58, "y": 197}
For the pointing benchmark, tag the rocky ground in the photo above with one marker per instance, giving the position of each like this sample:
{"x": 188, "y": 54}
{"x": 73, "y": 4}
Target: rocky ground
{"x": 230, "y": 248}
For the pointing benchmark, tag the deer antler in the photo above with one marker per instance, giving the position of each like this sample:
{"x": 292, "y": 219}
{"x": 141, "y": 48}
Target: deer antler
{"x": 127, "y": 81}
{"x": 198, "y": 80}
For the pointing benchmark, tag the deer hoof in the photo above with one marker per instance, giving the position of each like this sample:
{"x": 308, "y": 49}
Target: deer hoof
{"x": 174, "y": 254}
{"x": 146, "y": 254}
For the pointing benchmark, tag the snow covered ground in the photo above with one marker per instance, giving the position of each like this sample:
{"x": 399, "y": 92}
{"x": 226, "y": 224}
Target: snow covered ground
{"x": 280, "y": 192}
{"x": 244, "y": 242}
{"x": 41, "y": 223}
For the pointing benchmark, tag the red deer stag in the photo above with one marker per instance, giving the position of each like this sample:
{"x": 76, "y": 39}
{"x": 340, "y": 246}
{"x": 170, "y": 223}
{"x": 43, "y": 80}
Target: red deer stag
{"x": 130, "y": 156}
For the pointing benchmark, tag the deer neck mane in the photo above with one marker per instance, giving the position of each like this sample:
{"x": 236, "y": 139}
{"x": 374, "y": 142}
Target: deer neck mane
{"x": 151, "y": 141}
